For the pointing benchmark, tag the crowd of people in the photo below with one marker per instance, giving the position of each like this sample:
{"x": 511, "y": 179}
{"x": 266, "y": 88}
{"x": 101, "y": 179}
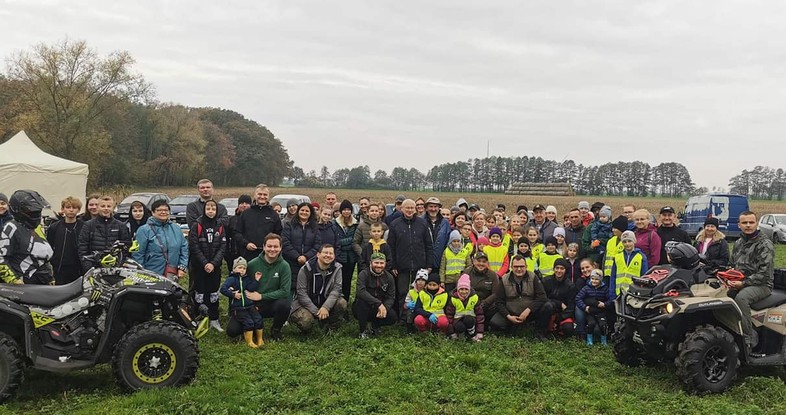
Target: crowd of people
{"x": 460, "y": 270}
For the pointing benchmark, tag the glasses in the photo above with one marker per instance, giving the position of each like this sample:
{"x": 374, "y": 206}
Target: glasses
{"x": 519, "y": 266}
{"x": 419, "y": 205}
{"x": 161, "y": 210}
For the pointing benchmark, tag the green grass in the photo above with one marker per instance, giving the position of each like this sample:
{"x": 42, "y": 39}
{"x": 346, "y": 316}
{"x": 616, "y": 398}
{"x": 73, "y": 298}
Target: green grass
{"x": 398, "y": 374}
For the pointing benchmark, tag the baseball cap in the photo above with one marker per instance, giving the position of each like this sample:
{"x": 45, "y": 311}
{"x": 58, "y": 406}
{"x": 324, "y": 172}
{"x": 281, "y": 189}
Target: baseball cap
{"x": 400, "y": 198}
{"x": 667, "y": 209}
{"x": 481, "y": 255}
{"x": 538, "y": 207}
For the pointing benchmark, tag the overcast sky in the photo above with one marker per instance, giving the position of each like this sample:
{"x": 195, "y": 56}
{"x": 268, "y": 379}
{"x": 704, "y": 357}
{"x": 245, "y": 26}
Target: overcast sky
{"x": 420, "y": 83}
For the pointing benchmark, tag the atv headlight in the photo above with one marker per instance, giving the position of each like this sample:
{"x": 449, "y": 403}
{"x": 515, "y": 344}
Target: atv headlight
{"x": 668, "y": 308}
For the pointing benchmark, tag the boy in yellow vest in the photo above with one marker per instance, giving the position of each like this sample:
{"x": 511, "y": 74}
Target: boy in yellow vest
{"x": 497, "y": 251}
{"x": 629, "y": 263}
{"x": 430, "y": 306}
{"x": 614, "y": 245}
{"x": 547, "y": 258}
{"x": 455, "y": 258}
{"x": 465, "y": 312}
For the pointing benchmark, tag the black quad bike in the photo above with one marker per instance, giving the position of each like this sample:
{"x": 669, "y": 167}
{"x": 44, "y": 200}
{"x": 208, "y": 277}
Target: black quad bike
{"x": 685, "y": 316}
{"x": 117, "y": 312}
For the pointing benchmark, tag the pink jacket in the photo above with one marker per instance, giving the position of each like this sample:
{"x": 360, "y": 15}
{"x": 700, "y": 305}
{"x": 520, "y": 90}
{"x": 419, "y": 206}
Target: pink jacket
{"x": 649, "y": 242}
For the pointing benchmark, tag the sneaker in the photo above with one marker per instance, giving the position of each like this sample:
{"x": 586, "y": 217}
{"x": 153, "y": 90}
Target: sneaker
{"x": 453, "y": 336}
{"x": 363, "y": 335}
{"x": 214, "y": 324}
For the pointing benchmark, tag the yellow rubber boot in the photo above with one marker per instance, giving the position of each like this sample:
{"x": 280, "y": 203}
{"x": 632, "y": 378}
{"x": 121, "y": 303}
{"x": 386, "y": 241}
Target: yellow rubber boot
{"x": 249, "y": 337}
{"x": 260, "y": 340}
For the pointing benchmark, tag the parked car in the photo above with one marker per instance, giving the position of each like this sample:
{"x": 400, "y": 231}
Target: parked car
{"x": 178, "y": 205}
{"x": 122, "y": 210}
{"x": 774, "y": 226}
{"x": 283, "y": 199}
{"x": 725, "y": 207}
{"x": 230, "y": 203}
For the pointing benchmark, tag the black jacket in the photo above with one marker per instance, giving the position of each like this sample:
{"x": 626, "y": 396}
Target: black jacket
{"x": 561, "y": 292}
{"x": 206, "y": 243}
{"x": 410, "y": 242}
{"x": 64, "y": 240}
{"x": 297, "y": 240}
{"x": 253, "y": 226}
{"x": 197, "y": 208}
{"x": 671, "y": 233}
{"x": 99, "y": 234}
{"x": 376, "y": 289}
{"x": 327, "y": 233}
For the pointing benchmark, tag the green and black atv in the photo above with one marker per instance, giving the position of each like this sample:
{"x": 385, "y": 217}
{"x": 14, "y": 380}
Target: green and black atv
{"x": 117, "y": 312}
{"x": 682, "y": 313}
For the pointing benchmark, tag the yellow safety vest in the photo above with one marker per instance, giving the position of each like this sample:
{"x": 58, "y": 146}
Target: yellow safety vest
{"x": 413, "y": 295}
{"x": 497, "y": 255}
{"x": 455, "y": 263}
{"x": 546, "y": 263}
{"x": 613, "y": 247}
{"x": 434, "y": 305}
{"x": 536, "y": 250}
{"x": 532, "y": 264}
{"x": 461, "y": 309}
{"x": 626, "y": 272}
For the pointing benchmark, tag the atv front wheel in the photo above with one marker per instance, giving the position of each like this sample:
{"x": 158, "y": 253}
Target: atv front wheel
{"x": 12, "y": 367}
{"x": 708, "y": 360}
{"x": 155, "y": 354}
{"x": 622, "y": 345}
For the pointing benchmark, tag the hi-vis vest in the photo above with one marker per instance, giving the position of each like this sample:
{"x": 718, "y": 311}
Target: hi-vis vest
{"x": 532, "y": 264}
{"x": 496, "y": 256}
{"x": 613, "y": 247}
{"x": 455, "y": 263}
{"x": 626, "y": 272}
{"x": 546, "y": 263}
{"x": 537, "y": 249}
{"x": 434, "y": 305}
{"x": 465, "y": 310}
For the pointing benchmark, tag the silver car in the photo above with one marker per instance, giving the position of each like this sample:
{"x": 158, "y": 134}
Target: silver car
{"x": 774, "y": 226}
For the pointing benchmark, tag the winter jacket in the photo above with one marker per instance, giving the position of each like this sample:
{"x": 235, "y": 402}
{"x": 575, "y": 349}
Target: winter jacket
{"x": 237, "y": 284}
{"x": 545, "y": 230}
{"x": 375, "y": 289}
{"x": 24, "y": 254}
{"x": 717, "y": 253}
{"x": 369, "y": 248}
{"x": 276, "y": 281}
{"x": 649, "y": 242}
{"x": 599, "y": 231}
{"x": 196, "y": 209}
{"x": 485, "y": 284}
{"x": 410, "y": 241}
{"x": 64, "y": 239}
{"x": 573, "y": 274}
{"x": 440, "y": 234}
{"x": 588, "y": 291}
{"x": 514, "y": 297}
{"x": 161, "y": 244}
{"x": 5, "y": 218}
{"x": 668, "y": 234}
{"x": 253, "y": 226}
{"x": 575, "y": 235}
{"x": 232, "y": 250}
{"x": 561, "y": 292}
{"x": 317, "y": 288}
{"x": 206, "y": 243}
{"x": 345, "y": 235}
{"x": 428, "y": 303}
{"x": 363, "y": 233}
{"x": 299, "y": 239}
{"x": 327, "y": 234}
{"x": 99, "y": 234}
{"x": 476, "y": 311}
{"x": 754, "y": 255}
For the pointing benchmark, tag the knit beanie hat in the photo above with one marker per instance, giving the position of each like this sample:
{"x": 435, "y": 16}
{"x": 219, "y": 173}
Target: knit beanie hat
{"x": 433, "y": 277}
{"x": 239, "y": 261}
{"x": 620, "y": 223}
{"x": 378, "y": 255}
{"x": 551, "y": 209}
{"x": 495, "y": 231}
{"x": 550, "y": 240}
{"x": 708, "y": 221}
{"x": 584, "y": 204}
{"x": 422, "y": 274}
{"x": 606, "y": 211}
{"x": 291, "y": 202}
{"x": 244, "y": 199}
{"x": 559, "y": 230}
{"x": 463, "y": 282}
{"x": 345, "y": 204}
{"x": 483, "y": 240}
{"x": 628, "y": 236}
{"x": 455, "y": 236}
{"x": 562, "y": 262}
{"x": 3, "y": 198}
{"x": 596, "y": 274}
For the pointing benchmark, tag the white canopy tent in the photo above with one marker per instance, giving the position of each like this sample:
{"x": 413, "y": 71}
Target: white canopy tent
{"x": 25, "y": 166}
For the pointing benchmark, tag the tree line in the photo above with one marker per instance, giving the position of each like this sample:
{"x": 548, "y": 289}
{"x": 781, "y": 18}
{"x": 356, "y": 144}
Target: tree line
{"x": 94, "y": 109}
{"x": 760, "y": 183}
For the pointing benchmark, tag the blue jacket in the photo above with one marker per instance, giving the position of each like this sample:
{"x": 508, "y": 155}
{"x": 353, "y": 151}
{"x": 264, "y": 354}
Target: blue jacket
{"x": 345, "y": 254}
{"x": 155, "y": 239}
{"x": 299, "y": 240}
{"x": 440, "y": 236}
{"x": 588, "y": 291}
{"x": 234, "y": 283}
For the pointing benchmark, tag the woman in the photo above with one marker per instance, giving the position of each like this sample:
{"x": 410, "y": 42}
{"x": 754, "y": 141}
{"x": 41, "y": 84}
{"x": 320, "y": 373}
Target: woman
{"x": 587, "y": 266}
{"x": 91, "y": 208}
{"x": 420, "y": 207}
{"x": 137, "y": 216}
{"x": 291, "y": 211}
{"x": 207, "y": 245}
{"x": 162, "y": 247}
{"x": 647, "y": 239}
{"x": 344, "y": 226}
{"x": 300, "y": 239}
{"x": 712, "y": 245}
{"x": 459, "y": 220}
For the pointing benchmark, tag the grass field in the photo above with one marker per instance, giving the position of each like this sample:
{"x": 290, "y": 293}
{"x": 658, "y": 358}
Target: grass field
{"x": 398, "y": 374}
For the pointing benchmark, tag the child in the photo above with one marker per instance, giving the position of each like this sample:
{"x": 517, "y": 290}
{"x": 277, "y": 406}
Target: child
{"x": 465, "y": 312}
{"x": 63, "y": 235}
{"x": 138, "y": 214}
{"x": 412, "y": 297}
{"x": 559, "y": 234}
{"x": 482, "y": 243}
{"x": 547, "y": 258}
{"x": 614, "y": 245}
{"x": 515, "y": 236}
{"x": 206, "y": 246}
{"x": 600, "y": 233}
{"x": 631, "y": 262}
{"x": 455, "y": 258}
{"x": 466, "y": 231}
{"x": 573, "y": 272}
{"x": 430, "y": 306}
{"x": 592, "y": 298}
{"x": 375, "y": 244}
{"x": 101, "y": 232}
{"x": 497, "y": 252}
{"x": 523, "y": 250}
{"x": 243, "y": 309}
{"x": 533, "y": 236}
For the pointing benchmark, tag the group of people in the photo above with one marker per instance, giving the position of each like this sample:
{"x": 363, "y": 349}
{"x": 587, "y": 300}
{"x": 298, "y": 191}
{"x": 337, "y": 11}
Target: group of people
{"x": 457, "y": 270}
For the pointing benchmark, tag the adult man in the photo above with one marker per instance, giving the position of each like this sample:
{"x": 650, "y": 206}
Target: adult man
{"x": 376, "y": 294}
{"x": 439, "y": 228}
{"x": 628, "y": 210}
{"x": 24, "y": 251}
{"x": 255, "y": 223}
{"x": 545, "y": 227}
{"x": 754, "y": 255}
{"x": 410, "y": 242}
{"x": 396, "y": 210}
{"x": 318, "y": 292}
{"x": 521, "y": 298}
{"x": 330, "y": 199}
{"x": 562, "y": 296}
{"x": 101, "y": 232}
{"x": 484, "y": 282}
{"x": 197, "y": 207}
{"x": 669, "y": 231}
{"x": 575, "y": 231}
{"x": 233, "y": 251}
{"x": 272, "y": 296}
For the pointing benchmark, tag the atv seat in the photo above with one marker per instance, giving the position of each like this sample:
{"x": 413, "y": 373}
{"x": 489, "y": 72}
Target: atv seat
{"x": 773, "y": 300}
{"x": 41, "y": 295}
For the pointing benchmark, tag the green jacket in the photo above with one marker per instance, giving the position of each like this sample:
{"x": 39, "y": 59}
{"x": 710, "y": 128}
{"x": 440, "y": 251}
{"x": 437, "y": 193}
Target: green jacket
{"x": 755, "y": 257}
{"x": 276, "y": 277}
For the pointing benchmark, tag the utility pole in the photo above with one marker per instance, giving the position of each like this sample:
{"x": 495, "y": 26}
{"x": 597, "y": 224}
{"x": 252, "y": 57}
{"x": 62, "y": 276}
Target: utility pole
{"x": 488, "y": 145}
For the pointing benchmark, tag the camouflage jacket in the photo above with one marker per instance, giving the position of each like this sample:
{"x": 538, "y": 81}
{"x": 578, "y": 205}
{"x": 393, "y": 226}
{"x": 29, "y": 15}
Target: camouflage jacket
{"x": 755, "y": 257}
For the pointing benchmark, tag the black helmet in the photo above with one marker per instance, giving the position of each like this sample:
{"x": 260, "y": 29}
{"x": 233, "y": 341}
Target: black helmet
{"x": 682, "y": 255}
{"x": 26, "y": 207}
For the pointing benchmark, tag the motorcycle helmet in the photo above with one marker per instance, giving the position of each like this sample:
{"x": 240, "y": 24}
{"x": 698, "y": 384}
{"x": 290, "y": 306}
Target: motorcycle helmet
{"x": 682, "y": 255}
{"x": 26, "y": 207}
